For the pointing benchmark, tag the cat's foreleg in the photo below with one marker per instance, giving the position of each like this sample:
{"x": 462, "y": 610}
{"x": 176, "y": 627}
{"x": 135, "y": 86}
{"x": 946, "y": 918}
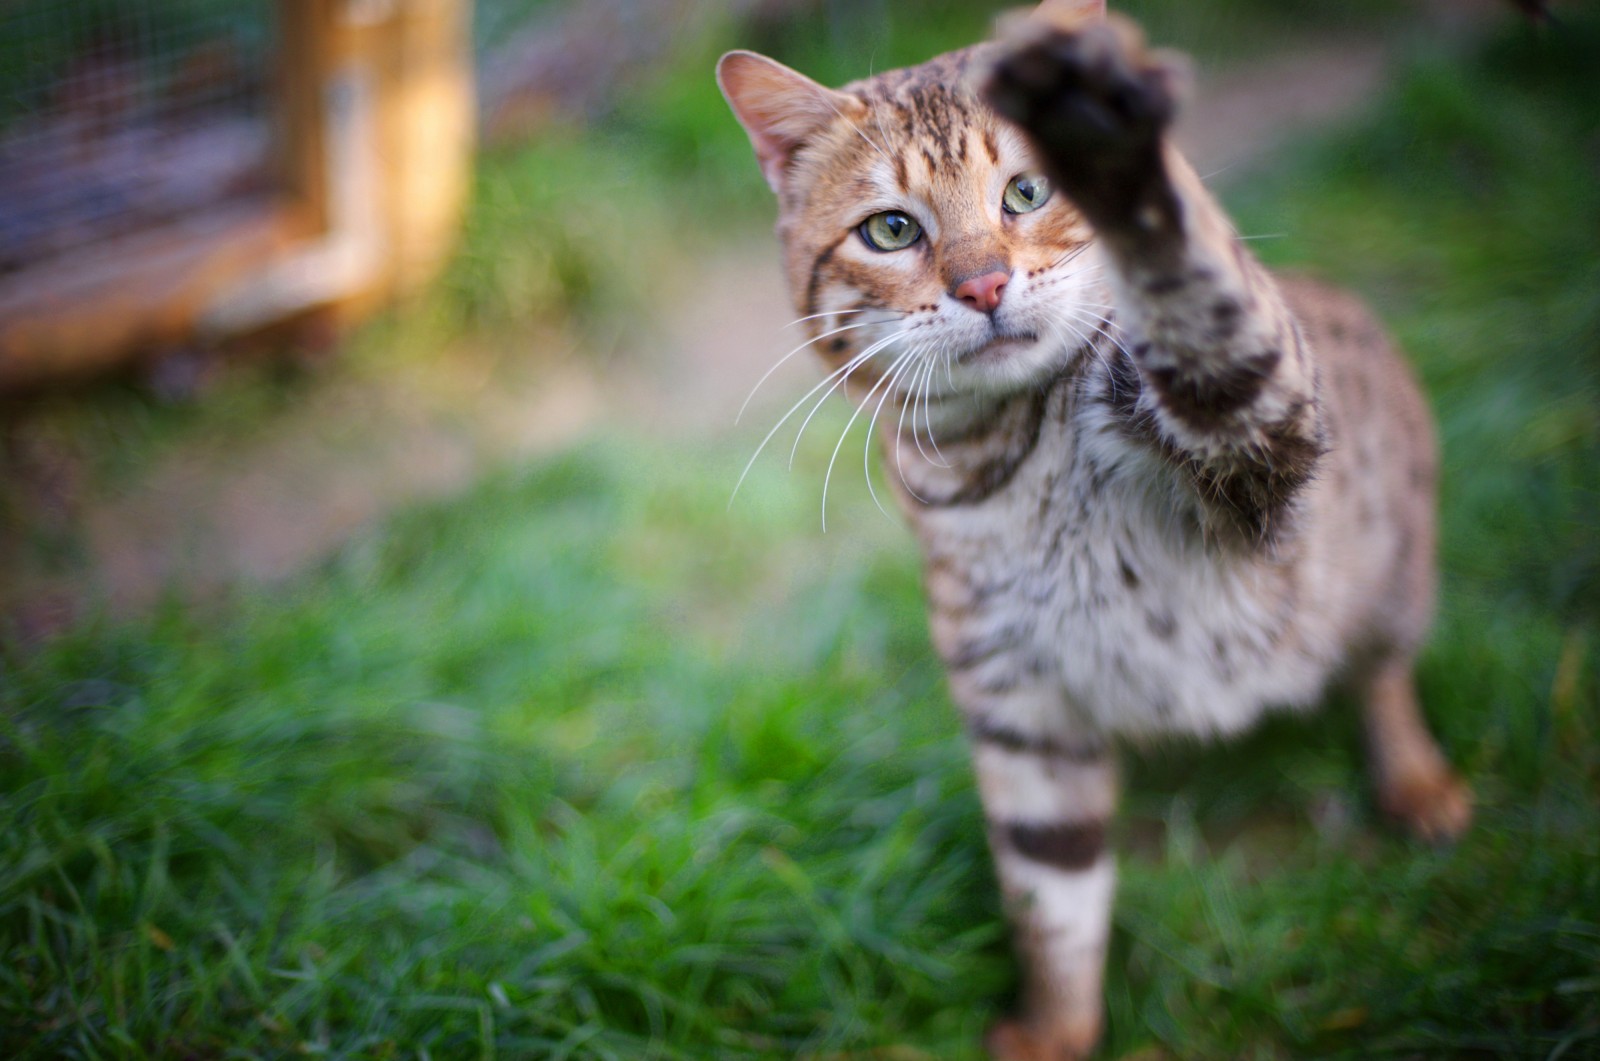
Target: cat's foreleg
{"x": 1225, "y": 384}
{"x": 1047, "y": 799}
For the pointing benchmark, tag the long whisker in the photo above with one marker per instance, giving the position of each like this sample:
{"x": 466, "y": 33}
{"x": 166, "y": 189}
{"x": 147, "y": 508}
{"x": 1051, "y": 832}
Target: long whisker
{"x": 1097, "y": 350}
{"x": 902, "y": 364}
{"x": 833, "y": 313}
{"x": 920, "y": 369}
{"x": 1082, "y": 270}
{"x": 924, "y": 393}
{"x": 1071, "y": 254}
{"x": 1084, "y": 342}
{"x": 1093, "y": 311}
{"x": 829, "y": 378}
{"x": 1102, "y": 321}
{"x": 768, "y": 374}
{"x": 827, "y": 476}
{"x": 927, "y": 416}
{"x": 1104, "y": 327}
{"x": 927, "y": 409}
{"x": 855, "y": 363}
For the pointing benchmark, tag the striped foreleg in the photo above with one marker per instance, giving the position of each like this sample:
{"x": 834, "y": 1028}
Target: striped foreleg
{"x": 1225, "y": 382}
{"x": 1048, "y": 802}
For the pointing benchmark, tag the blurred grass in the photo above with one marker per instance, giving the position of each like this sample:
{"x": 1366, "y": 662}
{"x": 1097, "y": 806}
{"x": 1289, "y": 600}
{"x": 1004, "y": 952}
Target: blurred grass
{"x": 583, "y": 765}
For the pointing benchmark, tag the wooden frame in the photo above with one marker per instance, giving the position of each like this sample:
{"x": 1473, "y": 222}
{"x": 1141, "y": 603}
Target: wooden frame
{"x": 374, "y": 120}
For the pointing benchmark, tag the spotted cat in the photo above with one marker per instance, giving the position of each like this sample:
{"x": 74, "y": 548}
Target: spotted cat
{"x": 1158, "y": 489}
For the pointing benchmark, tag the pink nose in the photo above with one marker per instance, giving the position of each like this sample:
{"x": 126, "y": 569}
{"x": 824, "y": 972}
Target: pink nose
{"x": 982, "y": 293}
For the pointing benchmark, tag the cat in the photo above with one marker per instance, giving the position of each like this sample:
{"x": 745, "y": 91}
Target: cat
{"x": 1157, "y": 489}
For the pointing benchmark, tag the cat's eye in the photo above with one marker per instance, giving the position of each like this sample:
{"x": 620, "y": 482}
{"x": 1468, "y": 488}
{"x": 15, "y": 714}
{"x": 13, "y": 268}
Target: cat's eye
{"x": 890, "y": 231}
{"x": 1025, "y": 192}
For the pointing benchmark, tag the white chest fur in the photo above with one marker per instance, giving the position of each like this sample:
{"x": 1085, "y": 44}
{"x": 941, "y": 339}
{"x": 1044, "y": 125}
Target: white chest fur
{"x": 1088, "y": 578}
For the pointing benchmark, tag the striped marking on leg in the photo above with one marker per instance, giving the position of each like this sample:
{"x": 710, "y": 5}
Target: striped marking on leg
{"x": 1043, "y": 784}
{"x": 1070, "y": 846}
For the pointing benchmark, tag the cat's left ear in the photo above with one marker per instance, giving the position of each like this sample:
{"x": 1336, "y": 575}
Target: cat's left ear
{"x": 779, "y": 108}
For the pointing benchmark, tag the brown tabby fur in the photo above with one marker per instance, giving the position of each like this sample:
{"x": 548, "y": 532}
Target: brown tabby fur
{"x": 1157, "y": 489}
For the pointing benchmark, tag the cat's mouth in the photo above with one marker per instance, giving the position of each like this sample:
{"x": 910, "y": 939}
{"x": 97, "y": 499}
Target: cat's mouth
{"x": 998, "y": 348}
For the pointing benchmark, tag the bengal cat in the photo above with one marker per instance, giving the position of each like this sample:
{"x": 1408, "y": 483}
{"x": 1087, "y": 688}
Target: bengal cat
{"x": 1158, "y": 490}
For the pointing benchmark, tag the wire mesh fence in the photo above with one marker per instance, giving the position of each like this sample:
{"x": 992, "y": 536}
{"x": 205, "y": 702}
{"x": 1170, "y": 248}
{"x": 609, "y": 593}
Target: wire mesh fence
{"x": 119, "y": 115}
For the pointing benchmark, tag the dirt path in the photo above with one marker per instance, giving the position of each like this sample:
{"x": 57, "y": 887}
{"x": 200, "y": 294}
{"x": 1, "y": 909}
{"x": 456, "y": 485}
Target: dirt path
{"x": 257, "y": 511}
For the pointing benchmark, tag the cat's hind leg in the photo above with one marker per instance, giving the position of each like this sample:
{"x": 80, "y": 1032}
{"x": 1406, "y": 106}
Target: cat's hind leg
{"x": 1415, "y": 784}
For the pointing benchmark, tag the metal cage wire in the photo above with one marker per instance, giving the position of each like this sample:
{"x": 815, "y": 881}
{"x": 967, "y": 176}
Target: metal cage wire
{"x": 117, "y": 116}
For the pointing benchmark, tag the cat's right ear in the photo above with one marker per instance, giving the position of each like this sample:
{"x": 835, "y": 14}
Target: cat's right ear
{"x": 779, "y": 108}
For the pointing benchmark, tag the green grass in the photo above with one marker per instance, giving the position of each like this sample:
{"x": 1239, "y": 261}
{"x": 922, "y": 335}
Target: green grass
{"x": 583, "y": 765}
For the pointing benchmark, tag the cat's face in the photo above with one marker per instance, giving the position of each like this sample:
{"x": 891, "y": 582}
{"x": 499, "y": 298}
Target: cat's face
{"x": 915, "y": 225}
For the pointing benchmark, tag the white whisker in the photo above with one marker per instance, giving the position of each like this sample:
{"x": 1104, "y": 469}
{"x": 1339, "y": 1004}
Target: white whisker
{"x": 848, "y": 424}
{"x": 1103, "y": 322}
{"x": 768, "y": 374}
{"x": 901, "y": 365}
{"x": 927, "y": 413}
{"x": 830, "y": 377}
{"x": 841, "y": 381}
{"x": 1082, "y": 270}
{"x": 926, "y": 385}
{"x": 1071, "y": 254}
{"x": 920, "y": 369}
{"x": 1085, "y": 342}
{"x": 1103, "y": 326}
{"x": 832, "y": 313}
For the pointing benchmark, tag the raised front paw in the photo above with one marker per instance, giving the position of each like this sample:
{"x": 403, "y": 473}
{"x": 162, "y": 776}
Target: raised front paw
{"x": 1091, "y": 89}
{"x": 1095, "y": 103}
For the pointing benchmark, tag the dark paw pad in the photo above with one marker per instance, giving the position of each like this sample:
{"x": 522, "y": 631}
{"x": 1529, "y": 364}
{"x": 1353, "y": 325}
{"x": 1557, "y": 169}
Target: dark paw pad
{"x": 1090, "y": 90}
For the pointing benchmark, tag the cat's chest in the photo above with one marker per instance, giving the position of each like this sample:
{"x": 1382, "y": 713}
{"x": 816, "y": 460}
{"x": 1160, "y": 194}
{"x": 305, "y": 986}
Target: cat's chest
{"x": 1097, "y": 570}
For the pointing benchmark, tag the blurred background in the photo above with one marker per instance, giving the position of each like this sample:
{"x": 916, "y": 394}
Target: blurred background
{"x": 384, "y": 671}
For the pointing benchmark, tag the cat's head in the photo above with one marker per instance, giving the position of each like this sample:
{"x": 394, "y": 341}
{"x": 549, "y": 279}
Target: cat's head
{"x": 915, "y": 223}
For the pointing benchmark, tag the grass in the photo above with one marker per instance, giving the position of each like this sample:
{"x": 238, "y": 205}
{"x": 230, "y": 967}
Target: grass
{"x": 583, "y": 765}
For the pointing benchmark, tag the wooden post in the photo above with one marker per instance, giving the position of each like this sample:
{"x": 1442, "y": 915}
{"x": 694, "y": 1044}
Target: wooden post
{"x": 379, "y": 117}
{"x": 306, "y": 31}
{"x": 374, "y": 117}
{"x": 427, "y": 124}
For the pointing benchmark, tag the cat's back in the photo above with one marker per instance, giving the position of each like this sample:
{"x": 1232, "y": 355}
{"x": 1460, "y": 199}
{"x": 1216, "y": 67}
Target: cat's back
{"x": 1371, "y": 504}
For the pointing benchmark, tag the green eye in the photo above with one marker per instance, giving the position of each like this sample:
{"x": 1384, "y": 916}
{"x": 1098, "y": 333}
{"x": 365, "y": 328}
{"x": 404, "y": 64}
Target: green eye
{"x": 1025, "y": 193}
{"x": 890, "y": 231}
